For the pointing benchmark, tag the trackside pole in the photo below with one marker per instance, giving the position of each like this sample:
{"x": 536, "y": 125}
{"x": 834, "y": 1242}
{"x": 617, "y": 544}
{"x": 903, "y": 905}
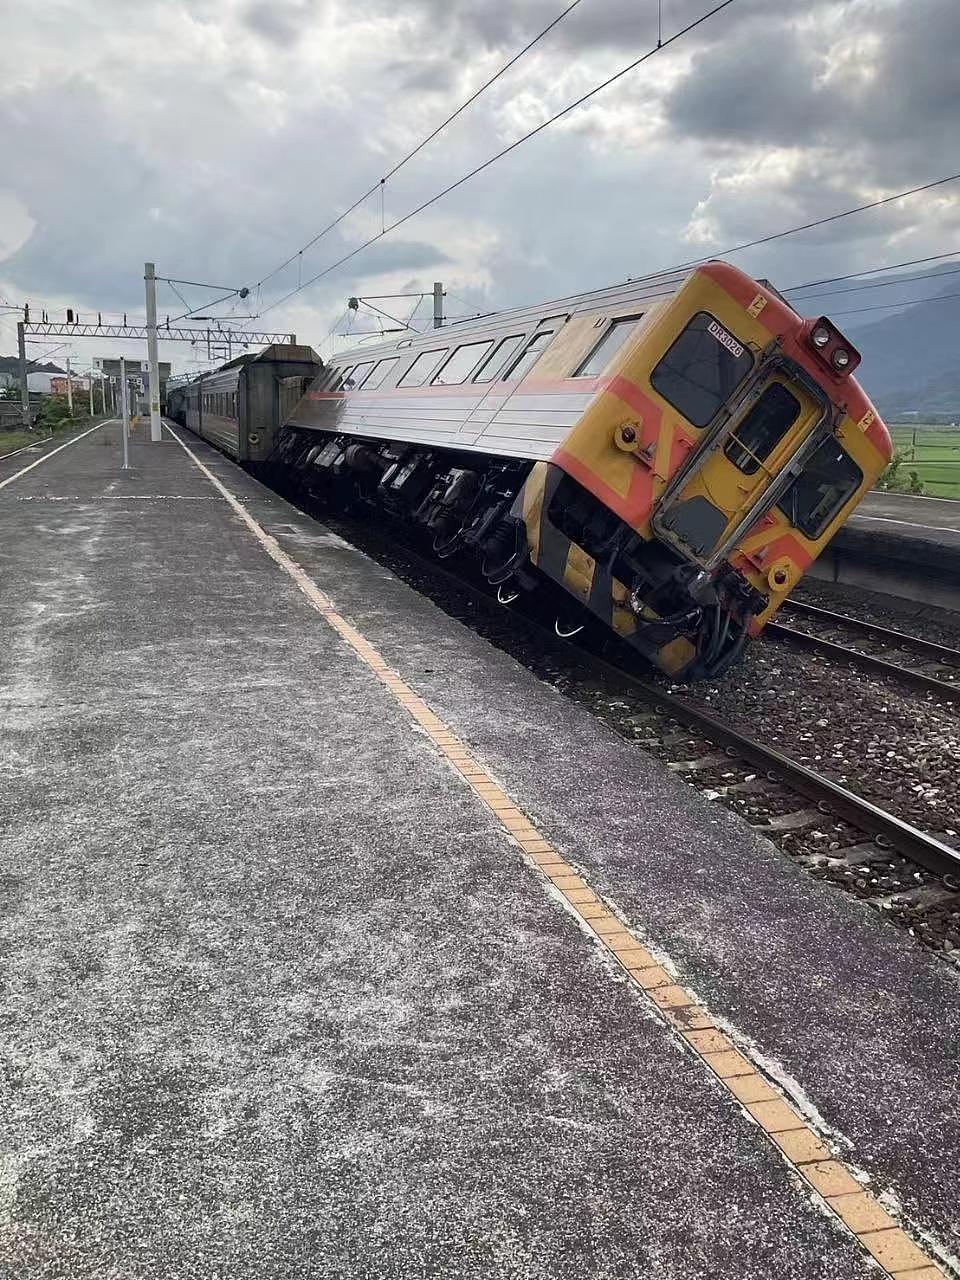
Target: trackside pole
{"x": 124, "y": 400}
{"x": 24, "y": 389}
{"x": 150, "y": 283}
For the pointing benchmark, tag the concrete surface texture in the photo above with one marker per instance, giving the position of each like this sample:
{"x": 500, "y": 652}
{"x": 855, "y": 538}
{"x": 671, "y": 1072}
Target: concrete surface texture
{"x": 899, "y": 544}
{"x": 281, "y": 999}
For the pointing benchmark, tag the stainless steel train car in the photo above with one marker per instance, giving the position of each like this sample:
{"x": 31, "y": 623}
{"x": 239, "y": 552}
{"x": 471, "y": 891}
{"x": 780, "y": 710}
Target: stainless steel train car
{"x": 670, "y": 454}
{"x": 239, "y": 407}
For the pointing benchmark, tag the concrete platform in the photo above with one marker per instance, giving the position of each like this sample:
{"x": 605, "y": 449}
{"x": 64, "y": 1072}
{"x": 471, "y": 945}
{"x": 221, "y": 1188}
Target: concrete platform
{"x": 900, "y": 544}
{"x": 282, "y": 996}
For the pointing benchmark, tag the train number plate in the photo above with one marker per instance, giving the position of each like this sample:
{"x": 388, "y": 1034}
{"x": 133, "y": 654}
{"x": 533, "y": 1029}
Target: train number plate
{"x": 725, "y": 339}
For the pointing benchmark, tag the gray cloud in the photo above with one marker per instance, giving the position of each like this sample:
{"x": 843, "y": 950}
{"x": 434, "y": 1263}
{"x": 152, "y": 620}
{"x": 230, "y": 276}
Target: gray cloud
{"x": 217, "y": 137}
{"x": 281, "y": 22}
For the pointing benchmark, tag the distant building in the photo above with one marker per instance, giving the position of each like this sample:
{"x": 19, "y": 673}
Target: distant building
{"x": 58, "y": 386}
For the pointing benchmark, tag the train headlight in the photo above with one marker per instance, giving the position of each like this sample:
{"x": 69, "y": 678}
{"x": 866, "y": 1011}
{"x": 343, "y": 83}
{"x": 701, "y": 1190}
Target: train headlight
{"x": 831, "y": 347}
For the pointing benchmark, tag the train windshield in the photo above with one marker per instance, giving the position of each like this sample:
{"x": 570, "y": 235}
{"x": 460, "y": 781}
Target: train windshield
{"x": 702, "y": 369}
{"x": 827, "y": 482}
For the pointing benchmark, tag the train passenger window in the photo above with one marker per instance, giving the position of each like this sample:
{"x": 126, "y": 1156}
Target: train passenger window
{"x": 461, "y": 364}
{"x": 357, "y": 375}
{"x": 702, "y": 369}
{"x": 425, "y": 364}
{"x": 505, "y": 350}
{"x": 608, "y": 346}
{"x": 381, "y": 371}
{"x": 763, "y": 428}
{"x": 521, "y": 367}
{"x": 829, "y": 479}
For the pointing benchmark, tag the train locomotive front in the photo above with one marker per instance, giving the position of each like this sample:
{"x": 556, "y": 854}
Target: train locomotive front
{"x": 672, "y": 455}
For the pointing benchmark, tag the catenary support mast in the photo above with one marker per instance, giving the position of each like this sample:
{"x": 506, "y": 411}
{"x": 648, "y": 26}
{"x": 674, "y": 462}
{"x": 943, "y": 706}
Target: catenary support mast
{"x": 150, "y": 281}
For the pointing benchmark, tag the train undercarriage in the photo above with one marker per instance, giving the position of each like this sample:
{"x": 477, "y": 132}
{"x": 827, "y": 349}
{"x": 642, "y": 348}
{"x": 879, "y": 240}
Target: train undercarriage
{"x": 530, "y": 528}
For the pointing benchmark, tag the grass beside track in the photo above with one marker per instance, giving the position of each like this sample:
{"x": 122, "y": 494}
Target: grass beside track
{"x": 18, "y": 439}
{"x": 10, "y": 440}
{"x": 934, "y": 453}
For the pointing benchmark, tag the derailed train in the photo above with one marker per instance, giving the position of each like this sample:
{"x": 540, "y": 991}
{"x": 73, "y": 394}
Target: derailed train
{"x": 672, "y": 453}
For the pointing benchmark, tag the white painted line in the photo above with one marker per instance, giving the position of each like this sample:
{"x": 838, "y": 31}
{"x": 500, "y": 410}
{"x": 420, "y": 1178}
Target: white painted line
{"x": 317, "y": 598}
{"x": 911, "y": 524}
{"x": 23, "y": 448}
{"x": 47, "y": 456}
{"x": 916, "y": 497}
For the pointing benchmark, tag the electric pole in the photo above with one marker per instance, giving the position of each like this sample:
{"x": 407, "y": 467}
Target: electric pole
{"x": 24, "y": 389}
{"x": 437, "y": 304}
{"x": 90, "y": 379}
{"x": 150, "y": 281}
{"x": 125, "y": 425}
{"x": 69, "y": 389}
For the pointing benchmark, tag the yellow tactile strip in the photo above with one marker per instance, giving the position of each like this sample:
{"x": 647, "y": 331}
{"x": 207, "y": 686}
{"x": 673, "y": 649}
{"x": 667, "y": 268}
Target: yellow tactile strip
{"x": 860, "y": 1211}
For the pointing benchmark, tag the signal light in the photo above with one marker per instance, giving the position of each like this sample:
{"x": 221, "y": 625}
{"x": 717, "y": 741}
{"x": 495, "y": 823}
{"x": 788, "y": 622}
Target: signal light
{"x": 831, "y": 346}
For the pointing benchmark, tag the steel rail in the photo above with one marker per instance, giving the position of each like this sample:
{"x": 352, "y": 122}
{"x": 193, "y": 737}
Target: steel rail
{"x": 886, "y": 635}
{"x": 830, "y": 797}
{"x": 869, "y": 662}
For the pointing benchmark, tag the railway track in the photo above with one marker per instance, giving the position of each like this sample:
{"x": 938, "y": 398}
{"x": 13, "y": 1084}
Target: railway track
{"x": 889, "y": 831}
{"x": 940, "y": 678}
{"x": 909, "y": 874}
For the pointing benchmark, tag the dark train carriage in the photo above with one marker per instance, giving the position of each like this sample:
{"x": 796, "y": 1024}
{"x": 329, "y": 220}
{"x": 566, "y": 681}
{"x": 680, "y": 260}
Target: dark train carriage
{"x": 239, "y": 407}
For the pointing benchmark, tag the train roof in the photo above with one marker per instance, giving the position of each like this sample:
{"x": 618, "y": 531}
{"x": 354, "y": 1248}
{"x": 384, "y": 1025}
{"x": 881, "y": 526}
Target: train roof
{"x": 618, "y": 297}
{"x": 634, "y": 294}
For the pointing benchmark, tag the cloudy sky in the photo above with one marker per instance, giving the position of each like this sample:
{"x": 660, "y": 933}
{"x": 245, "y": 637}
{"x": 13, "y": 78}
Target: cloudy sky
{"x": 217, "y": 136}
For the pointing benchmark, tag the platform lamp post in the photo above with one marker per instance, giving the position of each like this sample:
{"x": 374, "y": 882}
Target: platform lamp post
{"x": 150, "y": 284}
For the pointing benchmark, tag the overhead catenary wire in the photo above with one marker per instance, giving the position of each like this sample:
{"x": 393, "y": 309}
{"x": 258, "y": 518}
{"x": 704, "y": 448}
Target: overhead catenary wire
{"x": 381, "y": 182}
{"x": 817, "y": 222}
{"x": 871, "y": 271}
{"x": 880, "y": 284}
{"x": 891, "y": 306}
{"x": 504, "y": 151}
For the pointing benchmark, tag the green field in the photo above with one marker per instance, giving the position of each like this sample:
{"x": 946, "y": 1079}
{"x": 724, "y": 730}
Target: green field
{"x": 933, "y": 453}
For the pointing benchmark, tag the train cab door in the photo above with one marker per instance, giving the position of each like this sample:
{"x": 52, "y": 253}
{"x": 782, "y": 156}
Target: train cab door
{"x": 755, "y": 423}
{"x": 729, "y": 481}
